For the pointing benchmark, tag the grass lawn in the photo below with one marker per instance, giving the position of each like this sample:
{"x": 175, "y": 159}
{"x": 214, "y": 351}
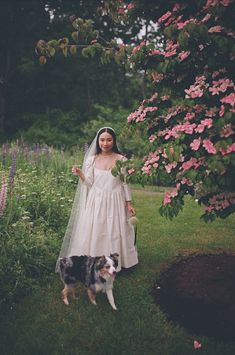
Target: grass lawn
{"x": 42, "y": 324}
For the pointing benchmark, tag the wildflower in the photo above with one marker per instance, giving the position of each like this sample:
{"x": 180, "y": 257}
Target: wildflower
{"x": 13, "y": 168}
{"x": 3, "y": 196}
{"x": 25, "y": 218}
{"x": 197, "y": 345}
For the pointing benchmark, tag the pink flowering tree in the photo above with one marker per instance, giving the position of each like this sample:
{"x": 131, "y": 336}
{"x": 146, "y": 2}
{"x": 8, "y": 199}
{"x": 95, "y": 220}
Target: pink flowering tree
{"x": 188, "y": 121}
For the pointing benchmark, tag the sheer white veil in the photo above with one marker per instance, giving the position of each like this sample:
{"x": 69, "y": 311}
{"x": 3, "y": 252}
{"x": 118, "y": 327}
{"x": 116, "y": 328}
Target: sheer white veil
{"x": 79, "y": 203}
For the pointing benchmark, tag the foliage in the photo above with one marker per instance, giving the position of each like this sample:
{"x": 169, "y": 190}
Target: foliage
{"x": 41, "y": 323}
{"x": 34, "y": 215}
{"x": 55, "y": 127}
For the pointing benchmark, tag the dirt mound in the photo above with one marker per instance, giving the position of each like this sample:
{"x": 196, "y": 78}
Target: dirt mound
{"x": 198, "y": 293}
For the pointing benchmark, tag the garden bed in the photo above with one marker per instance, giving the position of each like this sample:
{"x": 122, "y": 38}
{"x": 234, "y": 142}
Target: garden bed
{"x": 198, "y": 293}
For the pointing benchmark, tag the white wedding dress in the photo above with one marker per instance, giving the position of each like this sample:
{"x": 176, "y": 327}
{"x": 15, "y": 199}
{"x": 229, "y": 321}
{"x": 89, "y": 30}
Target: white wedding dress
{"x": 103, "y": 227}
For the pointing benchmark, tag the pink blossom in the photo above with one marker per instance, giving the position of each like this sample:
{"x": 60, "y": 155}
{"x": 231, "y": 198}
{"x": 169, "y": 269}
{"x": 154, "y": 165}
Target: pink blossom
{"x": 206, "y": 18}
{"x": 183, "y": 55}
{"x": 152, "y": 138}
{"x": 212, "y": 112}
{"x": 130, "y": 171}
{"x": 222, "y": 110}
{"x": 207, "y": 122}
{"x": 209, "y": 146}
{"x": 230, "y": 99}
{"x": 211, "y": 3}
{"x": 147, "y": 170}
{"x": 165, "y": 97}
{"x": 197, "y": 345}
{"x": 167, "y": 198}
{"x": 226, "y": 2}
{"x": 221, "y": 201}
{"x": 176, "y": 7}
{"x": 221, "y": 86}
{"x": 169, "y": 54}
{"x": 200, "y": 128}
{"x": 189, "y": 164}
{"x": 181, "y": 25}
{"x": 229, "y": 150}
{"x": 197, "y": 89}
{"x": 215, "y": 29}
{"x": 121, "y": 10}
{"x": 154, "y": 97}
{"x": 130, "y": 6}
{"x": 217, "y": 72}
{"x": 170, "y": 20}
{"x": 157, "y": 77}
{"x": 170, "y": 166}
{"x": 189, "y": 116}
{"x": 165, "y": 16}
{"x": 227, "y": 131}
{"x": 195, "y": 144}
{"x": 156, "y": 52}
{"x": 3, "y": 196}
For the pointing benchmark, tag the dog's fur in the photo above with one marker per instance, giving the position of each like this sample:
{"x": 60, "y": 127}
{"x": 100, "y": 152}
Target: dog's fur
{"x": 96, "y": 273}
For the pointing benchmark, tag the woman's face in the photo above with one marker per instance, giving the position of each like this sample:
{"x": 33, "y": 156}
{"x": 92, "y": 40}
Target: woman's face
{"x": 106, "y": 142}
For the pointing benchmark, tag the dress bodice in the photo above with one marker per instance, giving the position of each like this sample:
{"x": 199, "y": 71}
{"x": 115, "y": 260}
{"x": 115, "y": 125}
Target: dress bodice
{"x": 104, "y": 180}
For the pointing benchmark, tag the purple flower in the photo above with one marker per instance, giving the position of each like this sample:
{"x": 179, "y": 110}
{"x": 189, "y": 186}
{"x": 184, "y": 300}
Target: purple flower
{"x": 3, "y": 196}
{"x": 13, "y": 167}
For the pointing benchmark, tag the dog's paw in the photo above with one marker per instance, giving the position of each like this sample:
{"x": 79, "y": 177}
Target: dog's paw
{"x": 66, "y": 302}
{"x": 114, "y": 308}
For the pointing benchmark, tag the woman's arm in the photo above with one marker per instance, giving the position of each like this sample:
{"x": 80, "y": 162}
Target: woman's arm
{"x": 78, "y": 172}
{"x": 87, "y": 176}
{"x": 130, "y": 208}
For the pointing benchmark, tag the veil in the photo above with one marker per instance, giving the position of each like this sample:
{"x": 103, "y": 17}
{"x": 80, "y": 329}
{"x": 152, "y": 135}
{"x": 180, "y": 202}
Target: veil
{"x": 79, "y": 204}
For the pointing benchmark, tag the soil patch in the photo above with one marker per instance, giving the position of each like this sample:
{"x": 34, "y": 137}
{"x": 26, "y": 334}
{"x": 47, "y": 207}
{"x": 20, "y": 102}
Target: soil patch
{"x": 198, "y": 293}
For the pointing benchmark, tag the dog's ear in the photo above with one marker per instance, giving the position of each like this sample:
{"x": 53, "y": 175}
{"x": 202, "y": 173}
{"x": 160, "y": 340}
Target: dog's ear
{"x": 114, "y": 257}
{"x": 100, "y": 262}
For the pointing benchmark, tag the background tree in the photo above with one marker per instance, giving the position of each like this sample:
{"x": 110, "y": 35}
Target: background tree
{"x": 52, "y": 103}
{"x": 19, "y": 21}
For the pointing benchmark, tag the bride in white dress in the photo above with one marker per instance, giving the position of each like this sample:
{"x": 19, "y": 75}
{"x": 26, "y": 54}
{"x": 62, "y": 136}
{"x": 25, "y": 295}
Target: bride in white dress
{"x": 99, "y": 219}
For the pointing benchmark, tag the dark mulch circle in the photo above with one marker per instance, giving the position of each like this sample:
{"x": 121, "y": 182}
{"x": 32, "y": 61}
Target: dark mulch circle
{"x": 198, "y": 293}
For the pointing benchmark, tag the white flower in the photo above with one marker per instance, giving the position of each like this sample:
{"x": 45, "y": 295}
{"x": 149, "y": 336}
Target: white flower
{"x": 132, "y": 221}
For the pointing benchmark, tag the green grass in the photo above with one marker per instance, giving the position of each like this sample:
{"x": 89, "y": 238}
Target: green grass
{"x": 41, "y": 324}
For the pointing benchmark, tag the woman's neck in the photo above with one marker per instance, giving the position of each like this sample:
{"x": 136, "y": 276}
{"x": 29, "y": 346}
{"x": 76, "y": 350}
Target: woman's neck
{"x": 106, "y": 154}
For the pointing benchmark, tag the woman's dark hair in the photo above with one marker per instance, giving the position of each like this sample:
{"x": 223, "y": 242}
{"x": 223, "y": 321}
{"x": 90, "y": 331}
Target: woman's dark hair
{"x": 110, "y": 131}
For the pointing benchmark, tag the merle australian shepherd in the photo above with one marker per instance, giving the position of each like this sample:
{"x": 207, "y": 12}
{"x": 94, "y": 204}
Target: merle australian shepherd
{"x": 96, "y": 273}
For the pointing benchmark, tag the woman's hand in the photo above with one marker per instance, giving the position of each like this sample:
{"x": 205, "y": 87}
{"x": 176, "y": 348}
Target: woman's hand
{"x": 130, "y": 208}
{"x": 77, "y": 171}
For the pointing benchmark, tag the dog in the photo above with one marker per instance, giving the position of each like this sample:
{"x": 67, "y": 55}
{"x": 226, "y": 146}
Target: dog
{"x": 96, "y": 273}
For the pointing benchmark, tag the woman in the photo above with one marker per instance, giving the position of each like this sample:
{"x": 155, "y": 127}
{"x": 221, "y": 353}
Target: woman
{"x": 99, "y": 219}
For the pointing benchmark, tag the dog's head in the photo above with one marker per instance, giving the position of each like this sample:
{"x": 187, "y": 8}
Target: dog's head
{"x": 107, "y": 265}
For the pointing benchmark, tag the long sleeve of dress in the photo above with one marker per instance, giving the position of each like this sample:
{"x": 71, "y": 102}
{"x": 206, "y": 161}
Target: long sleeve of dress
{"x": 126, "y": 187}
